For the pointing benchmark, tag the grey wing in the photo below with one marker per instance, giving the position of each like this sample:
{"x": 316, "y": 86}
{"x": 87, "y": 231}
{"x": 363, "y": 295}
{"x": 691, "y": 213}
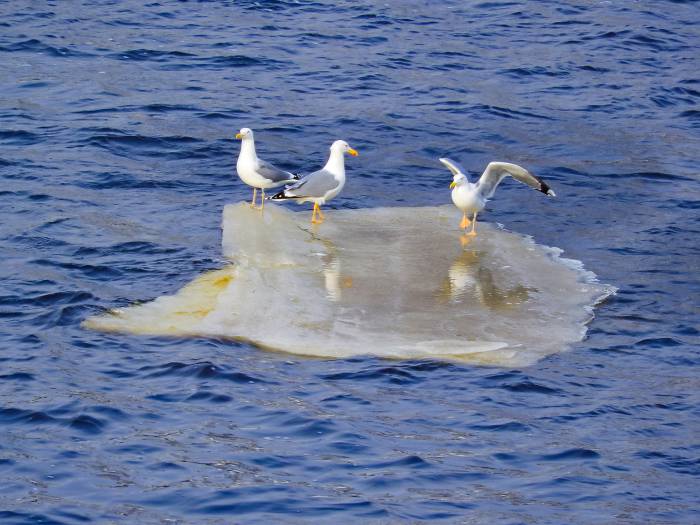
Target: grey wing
{"x": 315, "y": 184}
{"x": 453, "y": 166}
{"x": 270, "y": 172}
{"x": 495, "y": 172}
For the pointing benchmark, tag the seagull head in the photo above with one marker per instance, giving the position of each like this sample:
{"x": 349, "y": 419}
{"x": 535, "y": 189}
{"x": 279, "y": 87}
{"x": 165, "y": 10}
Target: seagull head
{"x": 458, "y": 179}
{"x": 245, "y": 133}
{"x": 343, "y": 147}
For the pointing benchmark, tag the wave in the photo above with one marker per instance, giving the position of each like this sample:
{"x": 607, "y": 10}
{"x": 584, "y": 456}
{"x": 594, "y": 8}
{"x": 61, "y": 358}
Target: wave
{"x": 84, "y": 423}
{"x": 201, "y": 370}
{"x": 33, "y": 45}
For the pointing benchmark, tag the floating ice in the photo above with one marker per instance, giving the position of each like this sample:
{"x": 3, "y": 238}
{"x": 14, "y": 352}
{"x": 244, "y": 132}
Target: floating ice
{"x": 391, "y": 282}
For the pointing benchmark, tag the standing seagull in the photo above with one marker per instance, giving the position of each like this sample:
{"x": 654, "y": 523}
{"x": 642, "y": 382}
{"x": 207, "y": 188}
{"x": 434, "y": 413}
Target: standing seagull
{"x": 472, "y": 197}
{"x": 256, "y": 172}
{"x": 320, "y": 186}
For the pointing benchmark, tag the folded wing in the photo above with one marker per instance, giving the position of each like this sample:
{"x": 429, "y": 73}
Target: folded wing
{"x": 274, "y": 174}
{"x": 313, "y": 185}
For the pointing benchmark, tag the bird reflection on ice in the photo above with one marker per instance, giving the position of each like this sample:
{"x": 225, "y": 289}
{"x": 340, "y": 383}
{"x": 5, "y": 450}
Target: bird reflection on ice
{"x": 391, "y": 282}
{"x": 333, "y": 278}
{"x": 468, "y": 278}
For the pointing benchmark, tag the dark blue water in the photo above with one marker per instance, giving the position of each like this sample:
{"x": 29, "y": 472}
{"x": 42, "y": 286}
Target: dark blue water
{"x": 117, "y": 156}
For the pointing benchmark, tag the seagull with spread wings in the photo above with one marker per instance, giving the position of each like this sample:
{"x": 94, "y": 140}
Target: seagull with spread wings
{"x": 471, "y": 198}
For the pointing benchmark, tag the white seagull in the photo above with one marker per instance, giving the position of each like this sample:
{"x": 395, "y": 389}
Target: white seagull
{"x": 320, "y": 186}
{"x": 472, "y": 197}
{"x": 256, "y": 172}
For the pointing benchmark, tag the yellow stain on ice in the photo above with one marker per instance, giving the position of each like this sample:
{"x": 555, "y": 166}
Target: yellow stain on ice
{"x": 178, "y": 314}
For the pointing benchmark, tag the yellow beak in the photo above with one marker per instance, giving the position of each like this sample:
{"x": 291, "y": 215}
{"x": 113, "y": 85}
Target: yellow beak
{"x": 453, "y": 184}
{"x": 239, "y": 136}
{"x": 353, "y": 152}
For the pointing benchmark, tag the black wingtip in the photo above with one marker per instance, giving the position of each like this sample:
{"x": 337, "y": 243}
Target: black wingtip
{"x": 277, "y": 196}
{"x": 544, "y": 188}
{"x": 295, "y": 176}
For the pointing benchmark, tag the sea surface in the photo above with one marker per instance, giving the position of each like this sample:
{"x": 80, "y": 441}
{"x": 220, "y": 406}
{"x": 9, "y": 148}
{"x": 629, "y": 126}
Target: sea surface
{"x": 117, "y": 156}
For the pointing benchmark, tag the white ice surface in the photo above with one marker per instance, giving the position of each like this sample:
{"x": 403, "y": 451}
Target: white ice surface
{"x": 391, "y": 282}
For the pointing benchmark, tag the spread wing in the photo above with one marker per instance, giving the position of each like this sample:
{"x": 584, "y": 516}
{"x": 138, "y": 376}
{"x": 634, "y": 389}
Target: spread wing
{"x": 495, "y": 172}
{"x": 315, "y": 184}
{"x": 454, "y": 167}
{"x": 270, "y": 172}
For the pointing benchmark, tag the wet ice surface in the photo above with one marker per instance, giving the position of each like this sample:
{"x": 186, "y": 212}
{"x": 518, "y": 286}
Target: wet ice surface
{"x": 391, "y": 282}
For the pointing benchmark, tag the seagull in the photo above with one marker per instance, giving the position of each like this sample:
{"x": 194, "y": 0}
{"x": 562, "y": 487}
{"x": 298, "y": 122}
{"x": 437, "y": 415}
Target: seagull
{"x": 320, "y": 186}
{"x": 256, "y": 172}
{"x": 472, "y": 197}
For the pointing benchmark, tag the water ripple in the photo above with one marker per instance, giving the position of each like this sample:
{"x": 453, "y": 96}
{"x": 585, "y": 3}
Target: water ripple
{"x": 117, "y": 155}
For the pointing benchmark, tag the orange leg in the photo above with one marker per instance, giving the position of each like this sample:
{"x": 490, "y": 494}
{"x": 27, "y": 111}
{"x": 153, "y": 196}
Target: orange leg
{"x": 254, "y": 202}
{"x": 255, "y": 195}
{"x": 317, "y": 209}
{"x": 472, "y": 233}
{"x": 465, "y": 222}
